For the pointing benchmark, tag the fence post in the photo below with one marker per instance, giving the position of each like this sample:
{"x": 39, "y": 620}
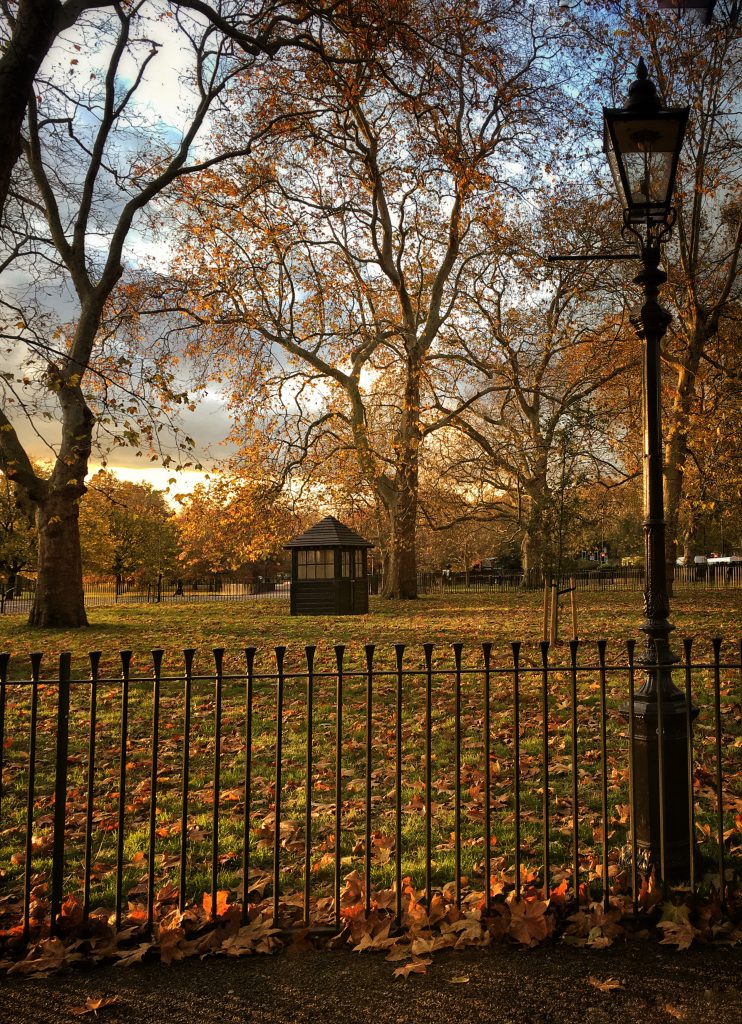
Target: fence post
{"x": 60, "y": 787}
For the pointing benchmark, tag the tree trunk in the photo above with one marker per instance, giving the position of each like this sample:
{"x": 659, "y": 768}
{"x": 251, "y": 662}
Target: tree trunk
{"x": 533, "y": 556}
{"x": 58, "y": 602}
{"x": 400, "y": 577}
{"x": 675, "y": 452}
{"x": 534, "y": 543}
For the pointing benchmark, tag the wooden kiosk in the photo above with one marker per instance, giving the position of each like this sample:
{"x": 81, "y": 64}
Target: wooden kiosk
{"x": 329, "y": 574}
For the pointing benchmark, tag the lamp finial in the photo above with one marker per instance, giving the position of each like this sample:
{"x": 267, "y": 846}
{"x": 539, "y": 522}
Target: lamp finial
{"x": 643, "y": 92}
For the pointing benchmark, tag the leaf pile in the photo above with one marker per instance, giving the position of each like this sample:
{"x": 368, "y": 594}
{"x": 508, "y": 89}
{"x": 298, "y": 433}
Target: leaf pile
{"x": 408, "y": 944}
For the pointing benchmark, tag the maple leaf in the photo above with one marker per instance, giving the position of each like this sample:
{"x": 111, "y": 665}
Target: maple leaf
{"x": 133, "y": 956}
{"x": 256, "y": 937}
{"x": 676, "y": 926}
{"x": 399, "y": 952}
{"x": 677, "y": 933}
{"x": 93, "y": 1004}
{"x": 417, "y": 966}
{"x": 43, "y": 958}
{"x": 528, "y": 922}
{"x": 380, "y": 940}
{"x": 222, "y": 904}
{"x": 170, "y": 939}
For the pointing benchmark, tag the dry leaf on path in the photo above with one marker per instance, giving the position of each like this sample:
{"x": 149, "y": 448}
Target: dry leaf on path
{"x": 413, "y": 967}
{"x": 674, "y": 1011}
{"x": 459, "y": 979}
{"x": 93, "y": 1004}
{"x": 609, "y": 985}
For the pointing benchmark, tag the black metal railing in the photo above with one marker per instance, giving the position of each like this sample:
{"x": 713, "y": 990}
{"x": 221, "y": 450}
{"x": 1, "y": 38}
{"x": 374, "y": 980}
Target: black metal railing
{"x": 686, "y": 577}
{"x": 159, "y": 590}
{"x": 18, "y": 599}
{"x": 282, "y": 772}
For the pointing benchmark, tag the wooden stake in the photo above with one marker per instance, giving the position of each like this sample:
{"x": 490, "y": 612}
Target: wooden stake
{"x": 547, "y": 588}
{"x": 553, "y": 637}
{"x": 573, "y": 601}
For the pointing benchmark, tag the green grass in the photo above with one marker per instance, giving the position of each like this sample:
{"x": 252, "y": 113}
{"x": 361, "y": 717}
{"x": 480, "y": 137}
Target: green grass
{"x": 441, "y": 619}
{"x": 438, "y": 619}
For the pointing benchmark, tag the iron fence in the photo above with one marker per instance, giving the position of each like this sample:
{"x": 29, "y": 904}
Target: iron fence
{"x": 282, "y": 772}
{"x": 161, "y": 590}
{"x": 686, "y": 577}
{"x": 18, "y": 599}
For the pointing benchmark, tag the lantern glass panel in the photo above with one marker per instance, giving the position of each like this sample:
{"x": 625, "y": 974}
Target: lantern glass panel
{"x": 642, "y": 154}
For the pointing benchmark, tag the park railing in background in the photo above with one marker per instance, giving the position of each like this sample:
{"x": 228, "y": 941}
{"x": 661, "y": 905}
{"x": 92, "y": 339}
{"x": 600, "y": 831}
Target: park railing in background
{"x": 137, "y": 782}
{"x": 18, "y": 599}
{"x": 103, "y": 592}
{"x": 689, "y": 577}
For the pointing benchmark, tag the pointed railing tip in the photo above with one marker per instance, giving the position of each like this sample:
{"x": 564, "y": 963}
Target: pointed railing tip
{"x": 370, "y": 650}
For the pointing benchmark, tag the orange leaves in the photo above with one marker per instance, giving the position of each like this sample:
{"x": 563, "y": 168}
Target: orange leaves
{"x": 222, "y": 903}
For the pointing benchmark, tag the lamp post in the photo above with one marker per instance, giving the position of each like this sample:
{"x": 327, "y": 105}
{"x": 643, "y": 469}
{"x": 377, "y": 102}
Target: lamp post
{"x": 642, "y": 142}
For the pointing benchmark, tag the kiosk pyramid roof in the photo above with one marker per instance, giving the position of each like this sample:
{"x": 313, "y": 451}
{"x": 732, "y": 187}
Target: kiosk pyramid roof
{"x": 329, "y": 533}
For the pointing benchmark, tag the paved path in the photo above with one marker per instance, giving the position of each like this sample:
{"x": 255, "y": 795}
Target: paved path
{"x": 506, "y": 986}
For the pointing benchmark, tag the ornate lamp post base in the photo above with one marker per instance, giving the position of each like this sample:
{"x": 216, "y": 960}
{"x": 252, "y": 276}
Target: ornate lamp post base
{"x": 668, "y": 827}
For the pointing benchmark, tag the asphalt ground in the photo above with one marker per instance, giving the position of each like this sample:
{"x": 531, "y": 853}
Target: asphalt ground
{"x": 501, "y": 985}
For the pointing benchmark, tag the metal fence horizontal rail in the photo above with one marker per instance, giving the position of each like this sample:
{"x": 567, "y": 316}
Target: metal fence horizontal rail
{"x": 138, "y": 787}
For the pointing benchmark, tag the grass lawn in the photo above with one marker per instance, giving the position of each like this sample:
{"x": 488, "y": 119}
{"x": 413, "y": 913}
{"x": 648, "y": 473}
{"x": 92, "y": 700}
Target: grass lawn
{"x": 440, "y": 619}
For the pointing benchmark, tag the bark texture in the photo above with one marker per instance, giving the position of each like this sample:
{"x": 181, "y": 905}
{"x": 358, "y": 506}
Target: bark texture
{"x": 59, "y": 601}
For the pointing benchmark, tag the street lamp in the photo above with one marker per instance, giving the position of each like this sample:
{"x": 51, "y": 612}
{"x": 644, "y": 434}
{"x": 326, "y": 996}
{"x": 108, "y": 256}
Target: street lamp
{"x": 642, "y": 142}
